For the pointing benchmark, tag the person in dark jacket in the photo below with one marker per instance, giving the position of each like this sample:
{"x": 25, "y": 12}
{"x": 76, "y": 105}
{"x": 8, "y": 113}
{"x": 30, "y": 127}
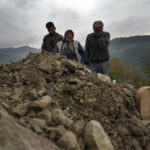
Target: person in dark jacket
{"x": 70, "y": 48}
{"x": 96, "y": 49}
{"x": 50, "y": 40}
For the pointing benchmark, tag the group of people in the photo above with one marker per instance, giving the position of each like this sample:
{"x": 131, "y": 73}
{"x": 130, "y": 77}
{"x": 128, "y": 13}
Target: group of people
{"x": 96, "y": 53}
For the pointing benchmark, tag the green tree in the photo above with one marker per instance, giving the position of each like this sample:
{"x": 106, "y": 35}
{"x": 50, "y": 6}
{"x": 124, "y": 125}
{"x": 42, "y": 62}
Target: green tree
{"x": 121, "y": 71}
{"x": 146, "y": 71}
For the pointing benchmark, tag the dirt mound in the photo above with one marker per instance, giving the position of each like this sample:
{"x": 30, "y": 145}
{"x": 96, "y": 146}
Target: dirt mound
{"x": 35, "y": 91}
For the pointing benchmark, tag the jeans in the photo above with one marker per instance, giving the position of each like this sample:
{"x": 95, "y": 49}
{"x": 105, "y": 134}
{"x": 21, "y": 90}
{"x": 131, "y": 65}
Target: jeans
{"x": 99, "y": 67}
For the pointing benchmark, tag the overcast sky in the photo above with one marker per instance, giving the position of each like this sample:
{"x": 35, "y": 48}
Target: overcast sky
{"x": 22, "y": 22}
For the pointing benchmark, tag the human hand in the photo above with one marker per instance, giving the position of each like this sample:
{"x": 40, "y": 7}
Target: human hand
{"x": 58, "y": 54}
{"x": 87, "y": 66}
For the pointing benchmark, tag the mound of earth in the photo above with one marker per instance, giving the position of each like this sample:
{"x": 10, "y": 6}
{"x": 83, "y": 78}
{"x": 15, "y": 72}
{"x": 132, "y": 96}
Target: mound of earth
{"x": 56, "y": 102}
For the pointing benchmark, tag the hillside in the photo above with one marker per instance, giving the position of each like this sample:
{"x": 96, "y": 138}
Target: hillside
{"x": 134, "y": 49}
{"x": 13, "y": 54}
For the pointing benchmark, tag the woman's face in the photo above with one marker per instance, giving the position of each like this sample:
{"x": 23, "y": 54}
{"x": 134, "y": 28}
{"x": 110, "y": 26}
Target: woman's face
{"x": 69, "y": 37}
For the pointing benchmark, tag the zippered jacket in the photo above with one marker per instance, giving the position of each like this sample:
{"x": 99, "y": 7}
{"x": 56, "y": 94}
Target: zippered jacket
{"x": 96, "y": 47}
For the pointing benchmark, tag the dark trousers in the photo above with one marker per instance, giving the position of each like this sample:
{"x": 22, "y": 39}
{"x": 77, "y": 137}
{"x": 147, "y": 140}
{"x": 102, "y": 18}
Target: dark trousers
{"x": 99, "y": 67}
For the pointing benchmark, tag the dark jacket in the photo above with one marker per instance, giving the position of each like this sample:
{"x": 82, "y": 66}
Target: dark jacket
{"x": 49, "y": 41}
{"x": 96, "y": 48}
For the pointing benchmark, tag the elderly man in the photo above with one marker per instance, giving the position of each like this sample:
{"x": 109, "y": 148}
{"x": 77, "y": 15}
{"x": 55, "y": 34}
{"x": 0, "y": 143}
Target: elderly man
{"x": 50, "y": 40}
{"x": 96, "y": 49}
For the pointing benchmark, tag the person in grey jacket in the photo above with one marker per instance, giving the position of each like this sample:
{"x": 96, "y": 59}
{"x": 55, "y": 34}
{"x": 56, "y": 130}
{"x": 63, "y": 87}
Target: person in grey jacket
{"x": 50, "y": 40}
{"x": 96, "y": 49}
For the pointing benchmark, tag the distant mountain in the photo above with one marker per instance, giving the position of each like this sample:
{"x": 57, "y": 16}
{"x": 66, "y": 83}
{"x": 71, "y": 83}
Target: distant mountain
{"x": 14, "y": 54}
{"x": 134, "y": 49}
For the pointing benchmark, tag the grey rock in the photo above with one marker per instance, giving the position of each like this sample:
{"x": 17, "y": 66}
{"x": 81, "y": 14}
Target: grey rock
{"x": 35, "y": 128}
{"x": 15, "y": 137}
{"x": 46, "y": 115}
{"x": 136, "y": 145}
{"x": 123, "y": 131}
{"x": 18, "y": 91}
{"x": 33, "y": 94}
{"x": 40, "y": 122}
{"x": 5, "y": 106}
{"x": 15, "y": 97}
{"x": 68, "y": 141}
{"x": 37, "y": 124}
{"x": 46, "y": 99}
{"x": 127, "y": 92}
{"x": 60, "y": 119}
{"x": 5, "y": 93}
{"x": 42, "y": 91}
{"x": 41, "y": 104}
{"x": 31, "y": 114}
{"x": 147, "y": 147}
{"x": 104, "y": 78}
{"x": 22, "y": 121}
{"x": 96, "y": 138}
{"x": 44, "y": 66}
{"x": 90, "y": 100}
{"x": 20, "y": 109}
{"x": 146, "y": 123}
{"x": 56, "y": 132}
{"x": 71, "y": 65}
{"x": 58, "y": 64}
{"x": 78, "y": 128}
{"x": 130, "y": 86}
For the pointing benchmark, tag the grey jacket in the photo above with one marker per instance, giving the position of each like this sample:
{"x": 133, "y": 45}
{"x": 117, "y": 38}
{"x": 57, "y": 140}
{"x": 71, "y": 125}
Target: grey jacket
{"x": 49, "y": 41}
{"x": 96, "y": 48}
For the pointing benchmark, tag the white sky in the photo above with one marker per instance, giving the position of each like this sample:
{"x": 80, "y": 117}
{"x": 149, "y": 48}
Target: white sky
{"x": 22, "y": 22}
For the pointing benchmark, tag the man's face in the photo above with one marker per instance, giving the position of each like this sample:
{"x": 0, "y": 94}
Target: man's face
{"x": 51, "y": 30}
{"x": 98, "y": 29}
{"x": 69, "y": 37}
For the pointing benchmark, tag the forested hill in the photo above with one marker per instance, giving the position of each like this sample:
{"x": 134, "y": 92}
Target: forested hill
{"x": 135, "y": 49}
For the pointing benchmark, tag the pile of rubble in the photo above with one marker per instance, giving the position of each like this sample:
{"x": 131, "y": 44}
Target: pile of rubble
{"x": 49, "y": 102}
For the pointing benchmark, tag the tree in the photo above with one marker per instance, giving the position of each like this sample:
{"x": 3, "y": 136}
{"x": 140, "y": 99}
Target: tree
{"x": 121, "y": 71}
{"x": 146, "y": 68}
{"x": 146, "y": 71}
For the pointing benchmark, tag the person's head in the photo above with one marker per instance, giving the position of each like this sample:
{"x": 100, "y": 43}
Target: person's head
{"x": 98, "y": 27}
{"x": 69, "y": 35}
{"x": 50, "y": 27}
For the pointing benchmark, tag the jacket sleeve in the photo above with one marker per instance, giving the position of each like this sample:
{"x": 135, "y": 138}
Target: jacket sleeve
{"x": 87, "y": 52}
{"x": 105, "y": 40}
{"x": 81, "y": 52}
{"x": 108, "y": 38}
{"x": 60, "y": 37}
{"x": 43, "y": 47}
{"x": 54, "y": 50}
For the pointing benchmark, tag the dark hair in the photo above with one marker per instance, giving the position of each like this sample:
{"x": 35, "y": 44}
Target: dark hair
{"x": 69, "y": 31}
{"x": 49, "y": 25}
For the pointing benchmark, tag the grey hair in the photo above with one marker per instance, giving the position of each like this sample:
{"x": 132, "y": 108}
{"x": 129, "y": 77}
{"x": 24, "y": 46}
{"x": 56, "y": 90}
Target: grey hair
{"x": 98, "y": 23}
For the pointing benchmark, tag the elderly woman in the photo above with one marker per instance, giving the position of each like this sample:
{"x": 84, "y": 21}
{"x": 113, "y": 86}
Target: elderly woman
{"x": 70, "y": 48}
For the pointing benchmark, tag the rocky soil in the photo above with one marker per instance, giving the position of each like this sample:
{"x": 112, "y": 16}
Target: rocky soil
{"x": 48, "y": 102}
